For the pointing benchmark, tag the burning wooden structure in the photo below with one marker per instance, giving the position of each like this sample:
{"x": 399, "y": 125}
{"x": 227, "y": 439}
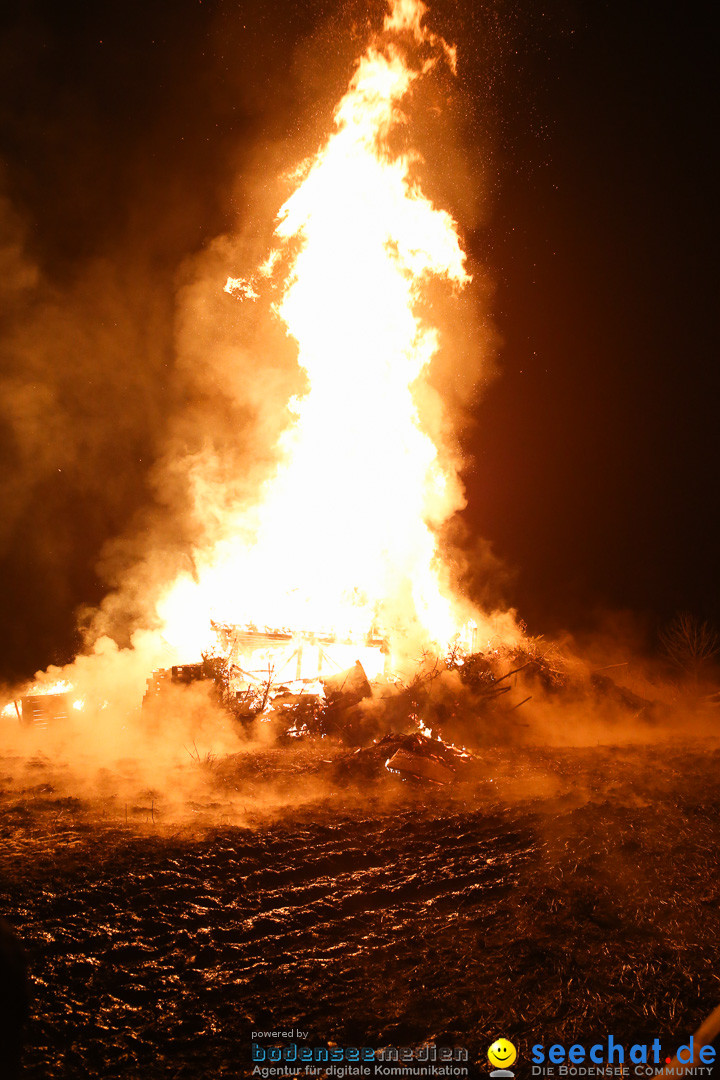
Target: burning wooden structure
{"x": 252, "y": 667}
{"x": 41, "y": 710}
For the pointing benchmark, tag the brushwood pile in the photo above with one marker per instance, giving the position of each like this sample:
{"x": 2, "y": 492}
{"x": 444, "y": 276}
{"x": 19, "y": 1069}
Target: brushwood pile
{"x": 427, "y": 728}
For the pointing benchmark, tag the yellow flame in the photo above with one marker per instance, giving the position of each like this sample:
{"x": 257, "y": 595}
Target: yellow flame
{"x": 57, "y": 686}
{"x": 37, "y": 689}
{"x": 342, "y": 538}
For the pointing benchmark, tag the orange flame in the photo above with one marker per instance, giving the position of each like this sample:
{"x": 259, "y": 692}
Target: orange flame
{"x": 342, "y": 538}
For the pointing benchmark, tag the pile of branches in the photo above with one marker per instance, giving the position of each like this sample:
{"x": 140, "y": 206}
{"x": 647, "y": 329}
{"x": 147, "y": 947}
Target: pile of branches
{"x": 483, "y": 699}
{"x": 535, "y": 658}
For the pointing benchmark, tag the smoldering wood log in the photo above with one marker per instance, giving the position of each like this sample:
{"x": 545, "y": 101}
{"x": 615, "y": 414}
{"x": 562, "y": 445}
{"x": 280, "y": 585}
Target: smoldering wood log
{"x": 416, "y": 756}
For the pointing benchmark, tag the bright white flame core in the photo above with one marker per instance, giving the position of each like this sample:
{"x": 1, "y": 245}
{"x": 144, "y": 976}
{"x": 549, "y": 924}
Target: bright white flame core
{"x": 341, "y": 538}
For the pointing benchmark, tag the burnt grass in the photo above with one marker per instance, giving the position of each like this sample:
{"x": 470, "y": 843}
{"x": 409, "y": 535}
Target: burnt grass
{"x": 560, "y": 895}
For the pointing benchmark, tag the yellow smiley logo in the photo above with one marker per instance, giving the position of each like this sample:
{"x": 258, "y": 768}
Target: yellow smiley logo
{"x": 502, "y": 1054}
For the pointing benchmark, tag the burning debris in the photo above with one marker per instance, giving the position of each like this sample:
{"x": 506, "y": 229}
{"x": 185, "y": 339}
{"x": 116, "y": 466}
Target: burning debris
{"x": 413, "y": 757}
{"x": 425, "y": 728}
{"x": 41, "y": 705}
{"x": 39, "y": 710}
{"x": 274, "y": 673}
{"x": 364, "y": 271}
{"x": 338, "y": 619}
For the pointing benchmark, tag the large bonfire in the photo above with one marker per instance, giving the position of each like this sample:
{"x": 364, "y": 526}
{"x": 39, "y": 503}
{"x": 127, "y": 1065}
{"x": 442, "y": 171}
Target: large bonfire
{"x": 340, "y": 544}
{"x": 359, "y": 477}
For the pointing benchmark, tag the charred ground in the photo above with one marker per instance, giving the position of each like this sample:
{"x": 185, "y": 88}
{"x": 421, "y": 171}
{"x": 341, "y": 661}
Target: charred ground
{"x": 559, "y": 892}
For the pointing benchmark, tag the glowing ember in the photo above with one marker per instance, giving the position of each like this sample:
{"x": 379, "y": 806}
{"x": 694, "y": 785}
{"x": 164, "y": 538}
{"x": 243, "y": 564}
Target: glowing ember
{"x": 342, "y": 538}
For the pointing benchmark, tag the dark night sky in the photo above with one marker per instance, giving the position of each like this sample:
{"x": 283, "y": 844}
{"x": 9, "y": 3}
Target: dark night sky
{"x": 122, "y": 127}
